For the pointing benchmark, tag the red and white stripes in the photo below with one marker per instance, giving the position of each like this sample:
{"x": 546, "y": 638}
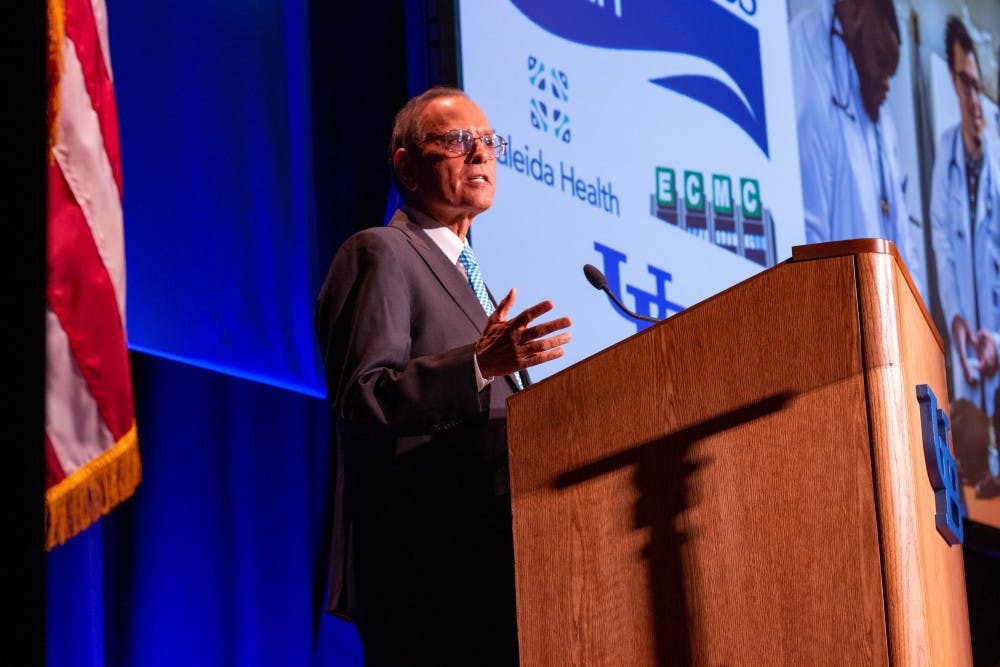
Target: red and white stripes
{"x": 91, "y": 444}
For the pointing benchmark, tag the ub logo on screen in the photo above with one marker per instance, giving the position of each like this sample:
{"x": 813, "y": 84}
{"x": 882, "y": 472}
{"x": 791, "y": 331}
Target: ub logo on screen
{"x": 648, "y": 304}
{"x": 700, "y": 28}
{"x": 548, "y": 112}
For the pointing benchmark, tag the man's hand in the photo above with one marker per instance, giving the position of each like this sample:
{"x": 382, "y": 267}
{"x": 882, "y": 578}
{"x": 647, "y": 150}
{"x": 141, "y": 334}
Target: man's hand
{"x": 986, "y": 350}
{"x": 507, "y": 346}
{"x": 963, "y": 339}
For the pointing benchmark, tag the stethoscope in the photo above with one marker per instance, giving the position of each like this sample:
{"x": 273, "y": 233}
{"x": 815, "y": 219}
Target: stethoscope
{"x": 955, "y": 171}
{"x": 843, "y": 103}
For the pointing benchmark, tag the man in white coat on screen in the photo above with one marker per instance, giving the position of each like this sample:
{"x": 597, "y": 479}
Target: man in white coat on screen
{"x": 965, "y": 226}
{"x": 965, "y": 221}
{"x": 843, "y": 55}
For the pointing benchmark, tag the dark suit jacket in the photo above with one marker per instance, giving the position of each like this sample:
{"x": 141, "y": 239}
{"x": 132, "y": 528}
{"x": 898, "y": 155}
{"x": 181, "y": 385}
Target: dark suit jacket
{"x": 421, "y": 514}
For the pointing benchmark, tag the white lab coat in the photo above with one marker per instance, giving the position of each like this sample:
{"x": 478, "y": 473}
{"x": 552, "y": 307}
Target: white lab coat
{"x": 953, "y": 249}
{"x": 839, "y": 152}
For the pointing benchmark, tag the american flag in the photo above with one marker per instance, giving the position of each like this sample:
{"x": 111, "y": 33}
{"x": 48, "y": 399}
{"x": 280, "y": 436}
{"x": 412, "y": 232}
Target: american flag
{"x": 91, "y": 446}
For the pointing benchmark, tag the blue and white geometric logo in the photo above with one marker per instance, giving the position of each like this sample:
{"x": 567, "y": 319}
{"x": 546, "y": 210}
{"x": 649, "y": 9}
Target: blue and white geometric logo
{"x": 548, "y": 107}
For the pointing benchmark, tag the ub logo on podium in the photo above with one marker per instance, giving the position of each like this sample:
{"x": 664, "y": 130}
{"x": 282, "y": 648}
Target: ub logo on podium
{"x": 940, "y": 467}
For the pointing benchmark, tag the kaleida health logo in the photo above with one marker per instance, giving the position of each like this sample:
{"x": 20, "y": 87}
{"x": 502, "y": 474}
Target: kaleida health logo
{"x": 551, "y": 95}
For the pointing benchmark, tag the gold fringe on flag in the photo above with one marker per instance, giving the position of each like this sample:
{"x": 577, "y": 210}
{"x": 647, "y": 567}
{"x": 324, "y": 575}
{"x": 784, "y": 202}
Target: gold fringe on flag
{"x": 56, "y": 10}
{"x": 75, "y": 503}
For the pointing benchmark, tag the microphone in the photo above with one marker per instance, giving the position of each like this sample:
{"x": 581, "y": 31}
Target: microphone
{"x": 597, "y": 279}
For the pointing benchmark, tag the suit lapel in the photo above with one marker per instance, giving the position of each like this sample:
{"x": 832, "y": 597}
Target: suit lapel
{"x": 450, "y": 277}
{"x": 447, "y": 274}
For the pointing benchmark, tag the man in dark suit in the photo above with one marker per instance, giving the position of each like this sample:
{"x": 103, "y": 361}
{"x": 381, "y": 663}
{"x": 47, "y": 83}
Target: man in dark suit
{"x": 418, "y": 369}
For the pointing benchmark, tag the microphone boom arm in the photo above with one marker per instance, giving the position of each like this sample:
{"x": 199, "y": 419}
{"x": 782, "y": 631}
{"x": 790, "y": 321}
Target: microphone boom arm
{"x": 597, "y": 279}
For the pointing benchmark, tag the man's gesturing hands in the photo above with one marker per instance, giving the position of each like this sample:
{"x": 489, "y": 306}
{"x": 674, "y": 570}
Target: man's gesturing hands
{"x": 507, "y": 346}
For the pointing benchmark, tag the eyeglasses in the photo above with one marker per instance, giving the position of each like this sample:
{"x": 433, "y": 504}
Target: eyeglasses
{"x": 971, "y": 86}
{"x": 461, "y": 142}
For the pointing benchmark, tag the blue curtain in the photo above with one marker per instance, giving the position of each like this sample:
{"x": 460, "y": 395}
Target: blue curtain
{"x": 220, "y": 557}
{"x": 215, "y": 120}
{"x": 253, "y": 139}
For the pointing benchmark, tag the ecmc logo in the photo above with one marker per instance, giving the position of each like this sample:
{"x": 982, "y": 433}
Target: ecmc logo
{"x": 721, "y": 191}
{"x": 735, "y": 222}
{"x": 940, "y": 467}
{"x": 699, "y": 28}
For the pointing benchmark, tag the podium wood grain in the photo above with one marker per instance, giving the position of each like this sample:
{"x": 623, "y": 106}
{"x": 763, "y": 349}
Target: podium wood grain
{"x": 739, "y": 485}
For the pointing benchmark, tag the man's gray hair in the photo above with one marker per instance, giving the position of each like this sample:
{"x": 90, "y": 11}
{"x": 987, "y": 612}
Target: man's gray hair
{"x": 406, "y": 129}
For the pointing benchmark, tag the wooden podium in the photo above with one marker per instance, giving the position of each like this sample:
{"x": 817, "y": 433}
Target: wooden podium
{"x": 743, "y": 483}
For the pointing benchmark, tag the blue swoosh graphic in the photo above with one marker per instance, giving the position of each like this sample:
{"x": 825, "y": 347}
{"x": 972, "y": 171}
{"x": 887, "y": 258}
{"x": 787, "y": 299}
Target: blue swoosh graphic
{"x": 699, "y": 28}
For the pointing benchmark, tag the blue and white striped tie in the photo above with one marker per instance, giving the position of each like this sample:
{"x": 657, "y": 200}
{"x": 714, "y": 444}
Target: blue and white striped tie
{"x": 467, "y": 260}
